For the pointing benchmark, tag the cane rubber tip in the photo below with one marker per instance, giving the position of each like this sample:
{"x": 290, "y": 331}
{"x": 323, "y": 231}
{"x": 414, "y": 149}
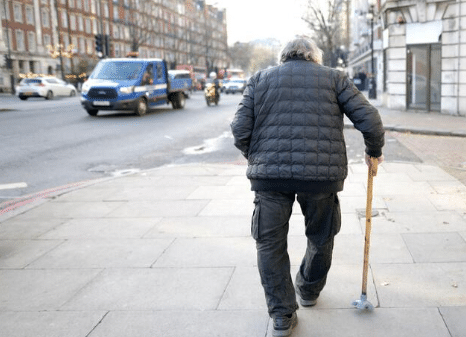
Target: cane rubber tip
{"x": 363, "y": 304}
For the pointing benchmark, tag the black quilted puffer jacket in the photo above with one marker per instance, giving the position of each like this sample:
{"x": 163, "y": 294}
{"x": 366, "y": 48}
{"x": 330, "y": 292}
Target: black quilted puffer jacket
{"x": 289, "y": 125}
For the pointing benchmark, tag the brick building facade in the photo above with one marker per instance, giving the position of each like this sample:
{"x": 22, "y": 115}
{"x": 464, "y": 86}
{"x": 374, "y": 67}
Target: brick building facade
{"x": 179, "y": 31}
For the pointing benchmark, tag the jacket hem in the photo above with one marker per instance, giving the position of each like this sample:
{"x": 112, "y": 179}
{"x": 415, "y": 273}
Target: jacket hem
{"x": 296, "y": 185}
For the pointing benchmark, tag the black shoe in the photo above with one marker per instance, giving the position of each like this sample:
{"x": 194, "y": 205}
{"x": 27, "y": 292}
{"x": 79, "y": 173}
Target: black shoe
{"x": 283, "y": 325}
{"x": 303, "y": 302}
{"x": 307, "y": 303}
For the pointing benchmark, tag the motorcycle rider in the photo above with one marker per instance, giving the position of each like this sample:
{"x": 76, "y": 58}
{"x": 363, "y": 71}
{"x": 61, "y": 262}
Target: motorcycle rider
{"x": 216, "y": 83}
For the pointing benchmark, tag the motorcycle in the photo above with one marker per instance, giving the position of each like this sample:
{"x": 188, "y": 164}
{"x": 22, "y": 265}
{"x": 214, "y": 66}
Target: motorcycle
{"x": 209, "y": 94}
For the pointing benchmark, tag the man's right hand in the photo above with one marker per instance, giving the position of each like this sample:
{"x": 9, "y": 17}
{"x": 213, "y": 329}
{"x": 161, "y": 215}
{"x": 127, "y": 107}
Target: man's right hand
{"x": 368, "y": 161}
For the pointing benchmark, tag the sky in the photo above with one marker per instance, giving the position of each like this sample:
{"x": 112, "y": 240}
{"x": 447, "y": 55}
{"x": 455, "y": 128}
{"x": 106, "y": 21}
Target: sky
{"x": 249, "y": 20}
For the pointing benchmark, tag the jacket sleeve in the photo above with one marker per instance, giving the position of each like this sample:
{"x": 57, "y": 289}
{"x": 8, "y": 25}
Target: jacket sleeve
{"x": 364, "y": 116}
{"x": 243, "y": 122}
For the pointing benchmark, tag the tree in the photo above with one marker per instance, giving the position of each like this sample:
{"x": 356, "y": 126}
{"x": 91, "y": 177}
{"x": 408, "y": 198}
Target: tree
{"x": 254, "y": 56}
{"x": 325, "y": 21}
{"x": 240, "y": 55}
{"x": 262, "y": 58}
{"x": 139, "y": 23}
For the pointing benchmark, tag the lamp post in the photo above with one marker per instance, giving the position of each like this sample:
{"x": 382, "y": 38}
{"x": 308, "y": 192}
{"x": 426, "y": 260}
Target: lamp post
{"x": 372, "y": 81}
{"x": 59, "y": 40}
{"x": 8, "y": 60}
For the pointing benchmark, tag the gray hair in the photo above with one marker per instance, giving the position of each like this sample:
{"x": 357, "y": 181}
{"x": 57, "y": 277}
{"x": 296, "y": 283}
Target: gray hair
{"x": 302, "y": 48}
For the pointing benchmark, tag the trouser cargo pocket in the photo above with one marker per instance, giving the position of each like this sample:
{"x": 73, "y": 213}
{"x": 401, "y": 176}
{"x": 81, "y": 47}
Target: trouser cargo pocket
{"x": 256, "y": 219}
{"x": 271, "y": 214}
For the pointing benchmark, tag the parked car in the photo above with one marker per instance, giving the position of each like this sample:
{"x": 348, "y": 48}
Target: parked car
{"x": 234, "y": 85}
{"x": 47, "y": 87}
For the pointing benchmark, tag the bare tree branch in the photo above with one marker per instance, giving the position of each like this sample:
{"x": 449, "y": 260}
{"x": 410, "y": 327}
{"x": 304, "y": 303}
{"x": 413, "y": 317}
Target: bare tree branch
{"x": 138, "y": 23}
{"x": 324, "y": 20}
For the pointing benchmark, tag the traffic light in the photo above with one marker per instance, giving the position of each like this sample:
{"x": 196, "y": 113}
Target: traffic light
{"x": 99, "y": 45}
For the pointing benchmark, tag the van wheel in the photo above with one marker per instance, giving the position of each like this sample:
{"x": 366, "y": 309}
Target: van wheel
{"x": 92, "y": 112}
{"x": 181, "y": 100}
{"x": 178, "y": 101}
{"x": 141, "y": 107}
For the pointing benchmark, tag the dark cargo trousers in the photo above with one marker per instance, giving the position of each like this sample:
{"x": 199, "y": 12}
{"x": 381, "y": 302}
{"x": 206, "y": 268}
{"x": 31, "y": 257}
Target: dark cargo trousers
{"x": 270, "y": 224}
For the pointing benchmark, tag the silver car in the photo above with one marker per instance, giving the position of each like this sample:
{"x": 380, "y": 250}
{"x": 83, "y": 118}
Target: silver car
{"x": 47, "y": 87}
{"x": 234, "y": 85}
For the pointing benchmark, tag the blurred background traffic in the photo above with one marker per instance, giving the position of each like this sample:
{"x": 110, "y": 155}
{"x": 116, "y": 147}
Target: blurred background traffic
{"x": 410, "y": 55}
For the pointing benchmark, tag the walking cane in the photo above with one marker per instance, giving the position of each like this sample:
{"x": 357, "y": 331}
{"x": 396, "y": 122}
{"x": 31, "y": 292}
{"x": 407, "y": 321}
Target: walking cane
{"x": 363, "y": 303}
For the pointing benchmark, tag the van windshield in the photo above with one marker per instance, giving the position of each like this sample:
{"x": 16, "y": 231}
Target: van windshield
{"x": 117, "y": 71}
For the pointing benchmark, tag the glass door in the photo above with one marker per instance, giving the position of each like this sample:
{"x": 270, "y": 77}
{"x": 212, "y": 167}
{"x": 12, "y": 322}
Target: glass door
{"x": 423, "y": 77}
{"x": 435, "y": 76}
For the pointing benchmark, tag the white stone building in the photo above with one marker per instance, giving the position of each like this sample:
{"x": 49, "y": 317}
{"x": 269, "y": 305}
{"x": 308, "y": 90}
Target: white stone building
{"x": 421, "y": 56}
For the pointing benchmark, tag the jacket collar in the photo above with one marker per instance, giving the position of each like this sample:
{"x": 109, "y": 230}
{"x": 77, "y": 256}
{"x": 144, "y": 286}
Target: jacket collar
{"x": 294, "y": 58}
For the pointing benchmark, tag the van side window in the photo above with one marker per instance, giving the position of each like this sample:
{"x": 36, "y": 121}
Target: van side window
{"x": 148, "y": 77}
{"x": 159, "y": 71}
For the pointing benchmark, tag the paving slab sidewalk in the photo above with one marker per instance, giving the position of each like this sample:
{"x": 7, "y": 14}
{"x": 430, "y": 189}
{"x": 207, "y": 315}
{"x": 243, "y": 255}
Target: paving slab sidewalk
{"x": 167, "y": 252}
{"x": 418, "y": 121}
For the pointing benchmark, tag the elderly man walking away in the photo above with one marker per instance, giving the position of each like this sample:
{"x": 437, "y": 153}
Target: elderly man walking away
{"x": 289, "y": 126}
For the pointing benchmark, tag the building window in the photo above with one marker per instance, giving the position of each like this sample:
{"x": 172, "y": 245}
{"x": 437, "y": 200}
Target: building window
{"x": 94, "y": 26}
{"x": 82, "y": 47}
{"x": 29, "y": 15}
{"x": 2, "y": 10}
{"x": 63, "y": 19}
{"x": 72, "y": 21}
{"x": 18, "y": 13}
{"x": 116, "y": 34}
{"x": 74, "y": 42}
{"x": 70, "y": 3}
{"x": 45, "y": 17}
{"x": 47, "y": 40}
{"x": 88, "y": 25}
{"x": 79, "y": 4}
{"x": 31, "y": 42}
{"x": 90, "y": 45}
{"x": 19, "y": 40}
{"x": 80, "y": 23}
{"x": 21, "y": 66}
{"x": 86, "y": 5}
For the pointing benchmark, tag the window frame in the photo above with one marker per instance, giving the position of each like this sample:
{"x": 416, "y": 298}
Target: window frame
{"x": 18, "y": 16}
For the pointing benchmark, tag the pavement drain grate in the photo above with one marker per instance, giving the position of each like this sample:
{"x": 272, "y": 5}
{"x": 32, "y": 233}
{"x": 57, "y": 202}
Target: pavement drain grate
{"x": 362, "y": 212}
